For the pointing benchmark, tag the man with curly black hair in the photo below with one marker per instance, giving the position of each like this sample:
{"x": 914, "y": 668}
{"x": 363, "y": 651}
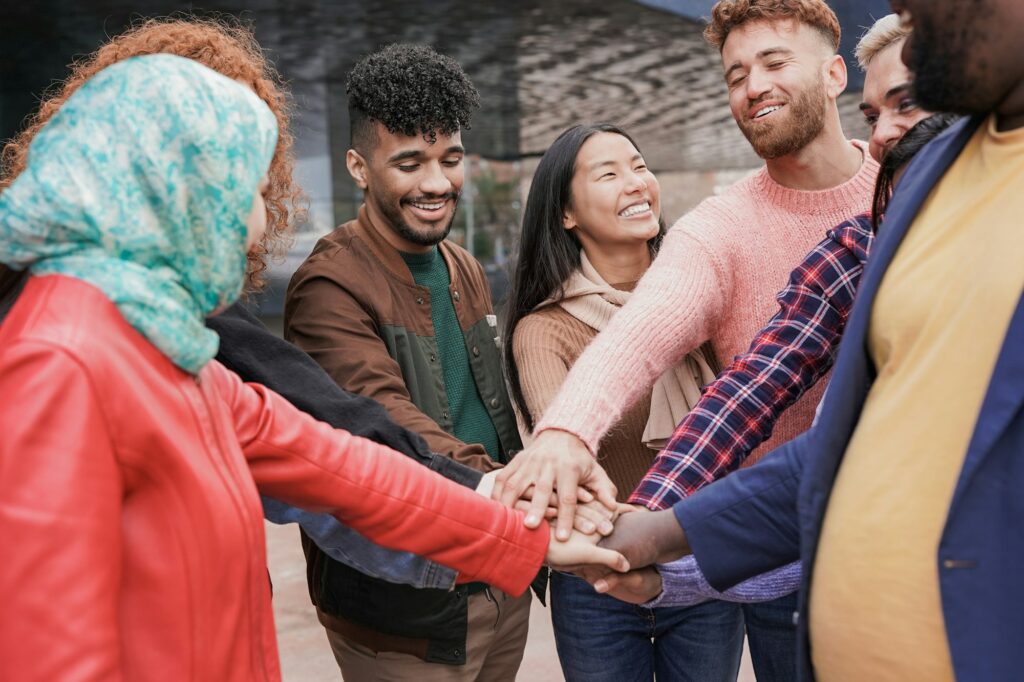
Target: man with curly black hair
{"x": 394, "y": 312}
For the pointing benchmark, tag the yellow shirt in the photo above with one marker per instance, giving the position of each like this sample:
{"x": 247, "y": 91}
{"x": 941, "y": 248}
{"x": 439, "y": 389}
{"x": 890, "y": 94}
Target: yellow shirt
{"x": 936, "y": 329}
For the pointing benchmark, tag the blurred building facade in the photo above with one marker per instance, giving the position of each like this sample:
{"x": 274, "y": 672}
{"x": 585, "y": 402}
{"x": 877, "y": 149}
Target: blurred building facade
{"x": 540, "y": 66}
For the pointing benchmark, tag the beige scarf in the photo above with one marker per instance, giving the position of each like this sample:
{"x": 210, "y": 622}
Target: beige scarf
{"x": 592, "y": 301}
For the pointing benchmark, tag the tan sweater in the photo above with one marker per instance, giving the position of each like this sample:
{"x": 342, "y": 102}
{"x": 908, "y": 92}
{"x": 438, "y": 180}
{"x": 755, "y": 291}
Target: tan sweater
{"x": 545, "y": 346}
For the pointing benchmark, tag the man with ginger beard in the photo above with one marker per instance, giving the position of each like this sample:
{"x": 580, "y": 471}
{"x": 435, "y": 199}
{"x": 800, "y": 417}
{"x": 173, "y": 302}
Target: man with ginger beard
{"x": 903, "y": 501}
{"x": 721, "y": 265}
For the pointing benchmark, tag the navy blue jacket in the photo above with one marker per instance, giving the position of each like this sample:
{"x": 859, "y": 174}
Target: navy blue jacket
{"x": 768, "y": 515}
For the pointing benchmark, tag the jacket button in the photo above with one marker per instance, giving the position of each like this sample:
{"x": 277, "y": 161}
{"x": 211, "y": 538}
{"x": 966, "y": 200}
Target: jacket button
{"x": 455, "y": 295}
{"x": 433, "y": 358}
{"x": 419, "y": 300}
{"x": 444, "y": 415}
{"x": 476, "y": 352}
{"x": 494, "y": 402}
{"x": 456, "y": 652}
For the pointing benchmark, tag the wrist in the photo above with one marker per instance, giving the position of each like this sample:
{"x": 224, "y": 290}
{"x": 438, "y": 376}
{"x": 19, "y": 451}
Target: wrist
{"x": 669, "y": 539}
{"x": 556, "y": 437}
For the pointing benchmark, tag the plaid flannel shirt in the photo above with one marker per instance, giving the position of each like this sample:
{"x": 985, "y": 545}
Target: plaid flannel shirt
{"x": 796, "y": 348}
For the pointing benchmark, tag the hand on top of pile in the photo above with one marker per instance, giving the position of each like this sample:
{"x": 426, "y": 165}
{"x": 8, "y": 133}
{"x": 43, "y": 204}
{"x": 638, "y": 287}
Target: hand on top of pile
{"x": 558, "y": 463}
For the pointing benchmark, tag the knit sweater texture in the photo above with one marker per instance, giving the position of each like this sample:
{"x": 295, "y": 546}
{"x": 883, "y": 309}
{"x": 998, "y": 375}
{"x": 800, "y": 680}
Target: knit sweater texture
{"x": 546, "y": 344}
{"x": 715, "y": 278}
{"x": 471, "y": 422}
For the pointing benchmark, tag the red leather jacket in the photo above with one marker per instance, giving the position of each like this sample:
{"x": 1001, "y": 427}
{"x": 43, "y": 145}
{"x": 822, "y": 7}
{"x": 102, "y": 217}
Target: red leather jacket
{"x": 130, "y": 520}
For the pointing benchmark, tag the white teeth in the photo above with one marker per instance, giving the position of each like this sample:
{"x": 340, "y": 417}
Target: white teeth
{"x": 635, "y": 209}
{"x": 428, "y": 207}
{"x": 767, "y": 110}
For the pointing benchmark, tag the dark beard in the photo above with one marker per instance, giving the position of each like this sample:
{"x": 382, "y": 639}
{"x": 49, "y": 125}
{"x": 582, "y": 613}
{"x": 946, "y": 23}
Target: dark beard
{"x": 419, "y": 239}
{"x": 940, "y": 82}
{"x": 806, "y": 121}
{"x": 402, "y": 228}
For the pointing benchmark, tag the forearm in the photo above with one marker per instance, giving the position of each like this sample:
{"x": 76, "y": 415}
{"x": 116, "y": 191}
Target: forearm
{"x": 670, "y": 313}
{"x": 739, "y": 409}
{"x": 347, "y": 546}
{"x": 390, "y": 500}
{"x": 256, "y": 355}
{"x": 747, "y": 523}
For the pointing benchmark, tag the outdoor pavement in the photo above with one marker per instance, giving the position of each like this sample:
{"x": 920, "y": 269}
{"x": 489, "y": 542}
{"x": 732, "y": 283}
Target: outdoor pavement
{"x": 306, "y": 656}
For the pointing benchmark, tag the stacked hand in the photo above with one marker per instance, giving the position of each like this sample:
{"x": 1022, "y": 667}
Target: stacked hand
{"x": 557, "y": 463}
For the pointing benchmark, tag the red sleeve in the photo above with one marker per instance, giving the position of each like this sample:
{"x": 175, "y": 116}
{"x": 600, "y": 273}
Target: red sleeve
{"x": 60, "y": 521}
{"x": 390, "y": 499}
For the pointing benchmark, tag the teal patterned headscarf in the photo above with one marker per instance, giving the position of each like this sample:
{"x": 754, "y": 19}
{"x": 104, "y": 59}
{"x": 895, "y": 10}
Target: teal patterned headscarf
{"x": 142, "y": 185}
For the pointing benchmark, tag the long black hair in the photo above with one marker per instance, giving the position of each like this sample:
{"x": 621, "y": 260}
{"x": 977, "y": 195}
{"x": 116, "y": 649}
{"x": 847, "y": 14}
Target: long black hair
{"x": 549, "y": 253}
{"x": 923, "y": 132}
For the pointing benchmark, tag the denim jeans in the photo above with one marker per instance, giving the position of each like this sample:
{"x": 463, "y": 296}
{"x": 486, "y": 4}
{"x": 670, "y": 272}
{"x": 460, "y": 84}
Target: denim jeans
{"x": 601, "y": 639}
{"x": 771, "y": 636}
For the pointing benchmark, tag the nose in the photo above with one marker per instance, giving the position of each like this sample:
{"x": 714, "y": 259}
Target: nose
{"x": 887, "y": 132}
{"x": 637, "y": 183}
{"x": 434, "y": 181}
{"x": 758, "y": 85}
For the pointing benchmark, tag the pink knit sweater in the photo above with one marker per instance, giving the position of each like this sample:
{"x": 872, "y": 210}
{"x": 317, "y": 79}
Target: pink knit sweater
{"x": 715, "y": 278}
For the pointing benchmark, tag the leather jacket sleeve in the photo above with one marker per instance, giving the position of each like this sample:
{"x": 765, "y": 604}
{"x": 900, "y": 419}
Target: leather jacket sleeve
{"x": 60, "y": 522}
{"x": 394, "y": 502}
{"x": 250, "y": 350}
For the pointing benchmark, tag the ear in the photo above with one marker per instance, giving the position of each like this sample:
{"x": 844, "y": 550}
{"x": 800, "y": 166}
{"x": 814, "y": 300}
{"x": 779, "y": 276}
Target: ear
{"x": 835, "y": 76}
{"x": 569, "y": 220}
{"x": 356, "y": 165}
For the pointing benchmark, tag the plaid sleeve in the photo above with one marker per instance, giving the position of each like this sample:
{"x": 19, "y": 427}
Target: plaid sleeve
{"x": 738, "y": 410}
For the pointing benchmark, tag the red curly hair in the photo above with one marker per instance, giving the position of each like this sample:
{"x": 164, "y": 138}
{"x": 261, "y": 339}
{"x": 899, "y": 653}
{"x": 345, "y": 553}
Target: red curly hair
{"x": 225, "y": 46}
{"x": 729, "y": 14}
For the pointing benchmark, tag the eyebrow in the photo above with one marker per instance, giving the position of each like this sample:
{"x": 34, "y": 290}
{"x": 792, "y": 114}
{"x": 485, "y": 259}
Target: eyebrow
{"x": 767, "y": 52}
{"x": 891, "y": 92}
{"x": 601, "y": 164}
{"x": 414, "y": 153}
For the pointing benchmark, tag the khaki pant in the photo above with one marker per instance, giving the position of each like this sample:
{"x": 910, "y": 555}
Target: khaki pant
{"x": 495, "y": 640}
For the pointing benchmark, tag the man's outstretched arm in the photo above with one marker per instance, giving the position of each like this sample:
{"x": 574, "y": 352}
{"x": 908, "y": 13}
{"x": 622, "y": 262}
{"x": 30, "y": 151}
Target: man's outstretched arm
{"x": 744, "y": 525}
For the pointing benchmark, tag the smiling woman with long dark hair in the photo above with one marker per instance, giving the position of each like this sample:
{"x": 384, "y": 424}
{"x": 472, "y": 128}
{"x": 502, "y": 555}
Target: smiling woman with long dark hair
{"x": 592, "y": 227}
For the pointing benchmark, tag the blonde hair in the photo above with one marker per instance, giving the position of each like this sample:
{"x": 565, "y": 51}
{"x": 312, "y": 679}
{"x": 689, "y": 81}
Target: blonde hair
{"x": 883, "y": 33}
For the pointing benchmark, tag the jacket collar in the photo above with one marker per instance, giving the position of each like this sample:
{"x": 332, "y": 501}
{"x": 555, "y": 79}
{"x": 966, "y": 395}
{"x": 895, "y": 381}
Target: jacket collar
{"x": 390, "y": 257}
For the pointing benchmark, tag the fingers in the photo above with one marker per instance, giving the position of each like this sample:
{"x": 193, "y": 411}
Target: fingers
{"x": 524, "y": 506}
{"x": 606, "y": 557}
{"x": 543, "y": 487}
{"x": 602, "y": 487}
{"x": 592, "y": 518}
{"x": 635, "y": 587}
{"x": 568, "y": 477}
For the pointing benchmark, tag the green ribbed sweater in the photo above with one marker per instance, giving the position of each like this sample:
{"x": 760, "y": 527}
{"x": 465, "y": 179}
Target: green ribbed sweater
{"x": 470, "y": 420}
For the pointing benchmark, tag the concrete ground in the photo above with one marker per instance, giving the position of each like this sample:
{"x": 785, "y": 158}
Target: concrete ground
{"x": 306, "y": 656}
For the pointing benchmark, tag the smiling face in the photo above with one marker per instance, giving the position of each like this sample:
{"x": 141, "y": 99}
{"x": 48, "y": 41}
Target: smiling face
{"x": 777, "y": 73}
{"x": 411, "y": 186}
{"x": 615, "y": 198}
{"x": 888, "y": 105}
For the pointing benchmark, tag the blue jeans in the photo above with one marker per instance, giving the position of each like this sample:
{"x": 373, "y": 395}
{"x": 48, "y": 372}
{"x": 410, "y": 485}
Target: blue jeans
{"x": 771, "y": 635}
{"x": 601, "y": 639}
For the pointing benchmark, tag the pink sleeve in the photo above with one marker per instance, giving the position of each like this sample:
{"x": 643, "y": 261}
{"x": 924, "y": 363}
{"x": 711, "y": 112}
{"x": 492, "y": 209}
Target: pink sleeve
{"x": 671, "y": 312}
{"x": 387, "y": 497}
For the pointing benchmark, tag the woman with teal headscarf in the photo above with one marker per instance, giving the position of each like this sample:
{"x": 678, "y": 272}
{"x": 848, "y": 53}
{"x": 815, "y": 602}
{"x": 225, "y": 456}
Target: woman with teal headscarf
{"x": 131, "y": 463}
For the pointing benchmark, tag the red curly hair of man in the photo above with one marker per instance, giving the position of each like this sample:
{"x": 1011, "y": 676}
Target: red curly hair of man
{"x": 729, "y": 14}
{"x": 225, "y": 46}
